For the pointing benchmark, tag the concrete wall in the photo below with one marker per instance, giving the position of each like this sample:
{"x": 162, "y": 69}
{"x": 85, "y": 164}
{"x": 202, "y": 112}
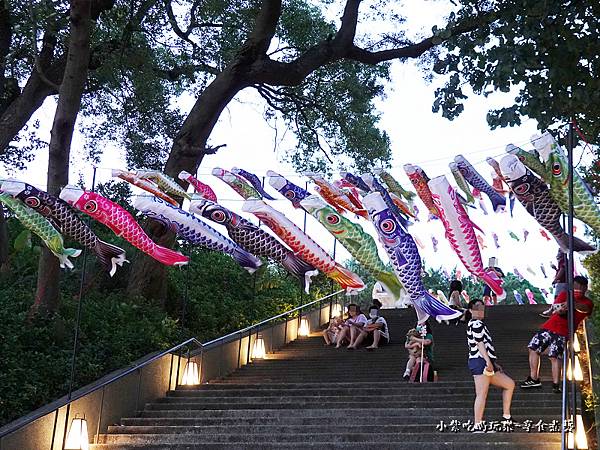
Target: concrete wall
{"x": 128, "y": 395}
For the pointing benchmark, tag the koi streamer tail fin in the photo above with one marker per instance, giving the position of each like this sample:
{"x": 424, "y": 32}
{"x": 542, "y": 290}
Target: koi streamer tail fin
{"x": 109, "y": 256}
{"x": 389, "y": 281}
{"x": 431, "y": 306}
{"x": 349, "y": 281}
{"x": 300, "y": 269}
{"x": 247, "y": 260}
{"x": 498, "y": 202}
{"x": 168, "y": 257}
{"x": 579, "y": 245}
{"x": 495, "y": 283}
{"x": 64, "y": 255}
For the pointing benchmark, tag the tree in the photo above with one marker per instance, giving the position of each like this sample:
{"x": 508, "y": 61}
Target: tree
{"x": 3, "y": 241}
{"x": 293, "y": 79}
{"x": 69, "y": 99}
{"x": 546, "y": 52}
{"x": 318, "y": 78}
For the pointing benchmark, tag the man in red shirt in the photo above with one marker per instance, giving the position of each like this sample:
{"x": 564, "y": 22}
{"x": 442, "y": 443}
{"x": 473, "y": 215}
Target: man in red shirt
{"x": 553, "y": 334}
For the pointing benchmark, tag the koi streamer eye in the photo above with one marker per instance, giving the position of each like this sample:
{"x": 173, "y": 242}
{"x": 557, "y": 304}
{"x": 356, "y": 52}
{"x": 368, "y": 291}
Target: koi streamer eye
{"x": 90, "y": 206}
{"x": 218, "y": 216}
{"x": 32, "y": 202}
{"x": 522, "y": 189}
{"x": 387, "y": 226}
{"x": 290, "y": 195}
{"x": 556, "y": 169}
{"x": 332, "y": 219}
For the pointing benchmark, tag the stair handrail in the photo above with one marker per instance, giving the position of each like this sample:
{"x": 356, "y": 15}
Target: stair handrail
{"x": 23, "y": 421}
{"x": 270, "y": 319}
{"x": 82, "y": 392}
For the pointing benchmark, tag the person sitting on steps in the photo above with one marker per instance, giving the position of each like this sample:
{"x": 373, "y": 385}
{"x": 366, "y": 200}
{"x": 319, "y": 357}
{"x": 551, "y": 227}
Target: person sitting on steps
{"x": 554, "y": 333}
{"x": 330, "y": 334}
{"x": 352, "y": 327}
{"x": 375, "y": 331}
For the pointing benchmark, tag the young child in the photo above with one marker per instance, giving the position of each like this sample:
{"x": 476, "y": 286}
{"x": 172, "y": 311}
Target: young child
{"x": 330, "y": 334}
{"x": 414, "y": 351}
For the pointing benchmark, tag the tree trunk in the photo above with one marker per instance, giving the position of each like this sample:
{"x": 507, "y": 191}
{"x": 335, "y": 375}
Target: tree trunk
{"x": 3, "y": 241}
{"x": 148, "y": 276}
{"x": 69, "y": 100}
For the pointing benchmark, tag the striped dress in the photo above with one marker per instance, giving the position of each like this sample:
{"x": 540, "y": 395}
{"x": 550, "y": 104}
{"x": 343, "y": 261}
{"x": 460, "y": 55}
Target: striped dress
{"x": 478, "y": 332}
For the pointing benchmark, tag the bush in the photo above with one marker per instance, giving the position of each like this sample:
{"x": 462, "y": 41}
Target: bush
{"x": 219, "y": 297}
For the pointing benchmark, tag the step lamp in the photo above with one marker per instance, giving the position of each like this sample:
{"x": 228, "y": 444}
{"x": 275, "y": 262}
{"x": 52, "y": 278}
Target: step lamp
{"x": 578, "y": 437}
{"x": 578, "y": 373}
{"x": 258, "y": 352}
{"x": 191, "y": 374}
{"x": 576, "y": 346}
{"x": 336, "y": 310}
{"x": 77, "y": 438}
{"x": 304, "y": 329}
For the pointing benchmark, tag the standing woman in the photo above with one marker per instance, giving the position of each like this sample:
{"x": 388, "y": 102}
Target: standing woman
{"x": 483, "y": 366}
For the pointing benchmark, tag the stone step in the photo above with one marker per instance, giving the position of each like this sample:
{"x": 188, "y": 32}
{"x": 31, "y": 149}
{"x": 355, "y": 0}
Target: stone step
{"x": 475, "y": 444}
{"x": 311, "y": 402}
{"x": 333, "y": 422}
{"x": 265, "y": 379}
{"x": 526, "y": 412}
{"x": 272, "y": 428}
{"x": 431, "y": 398}
{"x": 307, "y": 396}
{"x": 350, "y": 437}
{"x": 218, "y": 385}
{"x": 423, "y": 392}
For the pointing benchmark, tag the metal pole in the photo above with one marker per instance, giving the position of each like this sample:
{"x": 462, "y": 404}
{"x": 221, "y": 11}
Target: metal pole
{"x": 54, "y": 430}
{"x": 185, "y": 293}
{"x": 248, "y": 350}
{"x": 77, "y": 323}
{"x": 100, "y": 415}
{"x": 304, "y": 227}
{"x": 570, "y": 272}
{"x": 564, "y": 414}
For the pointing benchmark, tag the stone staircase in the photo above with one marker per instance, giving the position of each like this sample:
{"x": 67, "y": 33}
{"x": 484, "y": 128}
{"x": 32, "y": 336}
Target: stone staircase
{"x": 310, "y": 396}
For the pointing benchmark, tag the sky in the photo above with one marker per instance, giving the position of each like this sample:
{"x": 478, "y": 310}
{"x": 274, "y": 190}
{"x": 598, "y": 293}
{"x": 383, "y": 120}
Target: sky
{"x": 417, "y": 136}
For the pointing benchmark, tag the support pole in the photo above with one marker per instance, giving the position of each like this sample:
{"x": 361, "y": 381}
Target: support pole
{"x": 76, "y": 331}
{"x": 570, "y": 275}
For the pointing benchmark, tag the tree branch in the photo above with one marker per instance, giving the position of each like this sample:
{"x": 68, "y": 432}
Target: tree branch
{"x": 417, "y": 49}
{"x": 347, "y": 31}
{"x": 272, "y": 97}
{"x": 293, "y": 73}
{"x": 258, "y": 42}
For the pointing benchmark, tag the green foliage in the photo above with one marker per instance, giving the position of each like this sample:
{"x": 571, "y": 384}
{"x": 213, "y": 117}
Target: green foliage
{"x": 592, "y": 265}
{"x": 36, "y": 354}
{"x": 439, "y": 279}
{"x": 219, "y": 297}
{"x": 543, "y": 51}
{"x": 146, "y": 55}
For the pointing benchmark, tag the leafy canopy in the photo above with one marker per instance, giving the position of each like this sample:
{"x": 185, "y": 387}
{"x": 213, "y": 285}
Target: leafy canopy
{"x": 147, "y": 54}
{"x": 546, "y": 52}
